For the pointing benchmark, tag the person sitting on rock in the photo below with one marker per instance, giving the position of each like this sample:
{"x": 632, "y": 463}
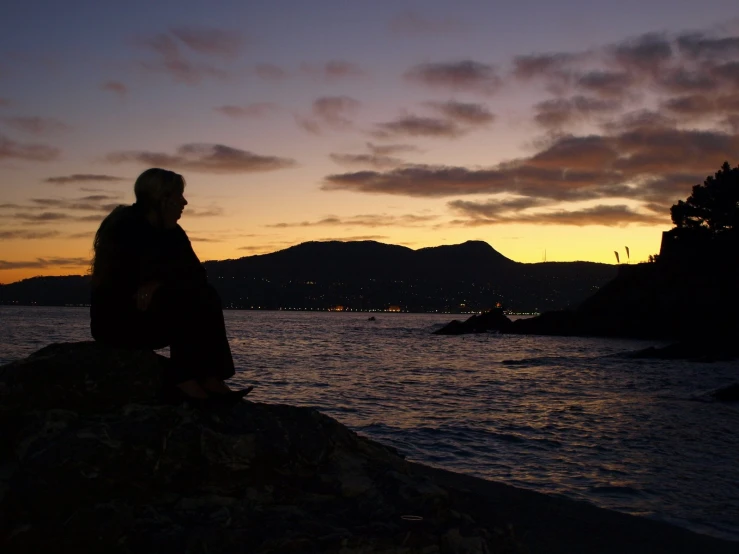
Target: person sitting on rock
{"x": 149, "y": 290}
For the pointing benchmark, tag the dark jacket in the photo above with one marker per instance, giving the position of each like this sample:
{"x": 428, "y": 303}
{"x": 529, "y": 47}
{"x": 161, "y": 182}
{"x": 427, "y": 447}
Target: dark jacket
{"x": 132, "y": 253}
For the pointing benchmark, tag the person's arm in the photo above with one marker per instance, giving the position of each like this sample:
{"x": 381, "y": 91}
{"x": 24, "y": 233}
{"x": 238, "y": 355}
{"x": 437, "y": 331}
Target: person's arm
{"x": 170, "y": 260}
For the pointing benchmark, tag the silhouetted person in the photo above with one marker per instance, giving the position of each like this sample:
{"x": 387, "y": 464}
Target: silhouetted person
{"x": 149, "y": 290}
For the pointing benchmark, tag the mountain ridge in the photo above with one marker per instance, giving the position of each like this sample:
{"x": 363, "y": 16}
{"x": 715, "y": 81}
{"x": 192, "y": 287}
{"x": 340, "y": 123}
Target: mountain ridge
{"x": 369, "y": 275}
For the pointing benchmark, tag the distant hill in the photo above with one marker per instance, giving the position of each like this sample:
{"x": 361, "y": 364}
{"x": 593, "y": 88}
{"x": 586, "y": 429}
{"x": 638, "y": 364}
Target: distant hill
{"x": 368, "y": 275}
{"x": 69, "y": 290}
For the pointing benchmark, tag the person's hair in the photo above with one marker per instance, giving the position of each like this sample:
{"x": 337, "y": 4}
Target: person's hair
{"x": 150, "y": 188}
{"x": 155, "y": 184}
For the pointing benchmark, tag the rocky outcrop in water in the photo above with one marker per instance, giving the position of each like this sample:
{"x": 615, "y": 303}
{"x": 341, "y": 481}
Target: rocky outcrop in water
{"x": 692, "y": 301}
{"x": 494, "y": 320}
{"x": 89, "y": 462}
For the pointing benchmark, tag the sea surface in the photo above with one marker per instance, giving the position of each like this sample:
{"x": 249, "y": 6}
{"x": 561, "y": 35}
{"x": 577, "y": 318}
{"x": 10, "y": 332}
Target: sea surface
{"x": 564, "y": 416}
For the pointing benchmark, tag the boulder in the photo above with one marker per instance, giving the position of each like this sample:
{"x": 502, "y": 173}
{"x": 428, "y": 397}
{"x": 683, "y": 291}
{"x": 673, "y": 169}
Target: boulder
{"x": 549, "y": 323}
{"x": 492, "y": 321}
{"x": 90, "y": 462}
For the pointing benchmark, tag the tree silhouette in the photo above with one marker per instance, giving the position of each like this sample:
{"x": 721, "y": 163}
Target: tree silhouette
{"x": 713, "y": 207}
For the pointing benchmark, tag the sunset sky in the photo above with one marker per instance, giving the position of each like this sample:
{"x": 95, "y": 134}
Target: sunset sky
{"x": 568, "y": 127}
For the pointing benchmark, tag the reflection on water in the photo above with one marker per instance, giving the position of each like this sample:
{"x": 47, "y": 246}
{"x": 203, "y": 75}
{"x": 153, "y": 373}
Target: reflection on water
{"x": 558, "y": 415}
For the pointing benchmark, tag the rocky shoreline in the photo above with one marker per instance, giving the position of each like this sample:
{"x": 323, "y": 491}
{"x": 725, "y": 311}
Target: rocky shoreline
{"x": 90, "y": 461}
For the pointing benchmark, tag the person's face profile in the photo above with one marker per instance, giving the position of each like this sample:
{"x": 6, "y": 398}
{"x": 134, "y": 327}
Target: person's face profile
{"x": 172, "y": 207}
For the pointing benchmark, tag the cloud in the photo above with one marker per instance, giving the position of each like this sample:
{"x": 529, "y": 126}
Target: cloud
{"x": 657, "y": 151}
{"x": 368, "y": 220}
{"x": 628, "y": 165}
{"x": 417, "y": 126}
{"x": 25, "y": 234}
{"x": 606, "y": 215}
{"x": 464, "y": 113}
{"x": 36, "y": 125}
{"x": 41, "y": 217}
{"x": 700, "y": 45}
{"x": 83, "y": 235}
{"x": 10, "y": 149}
{"x": 308, "y": 124}
{"x": 732, "y": 122}
{"x": 420, "y": 181}
{"x": 389, "y": 149}
{"x": 572, "y": 152}
{"x": 609, "y": 84}
{"x": 38, "y": 208}
{"x": 700, "y": 106}
{"x": 171, "y": 61}
{"x": 651, "y": 63}
{"x": 91, "y": 218}
{"x": 680, "y": 81}
{"x": 493, "y": 208}
{"x": 465, "y": 75}
{"x": 415, "y": 23}
{"x": 256, "y": 109}
{"x": 116, "y": 87}
{"x": 4, "y": 102}
{"x": 542, "y": 65}
{"x": 83, "y": 178}
{"x": 649, "y": 52}
{"x": 96, "y": 203}
{"x": 269, "y": 247}
{"x": 638, "y": 119}
{"x": 211, "y": 41}
{"x": 693, "y": 105}
{"x": 40, "y": 263}
{"x": 329, "y": 112}
{"x": 560, "y": 112}
{"x": 728, "y": 73}
{"x": 213, "y": 211}
{"x": 366, "y": 160}
{"x": 212, "y": 158}
{"x": 333, "y": 70}
{"x": 335, "y": 110}
{"x": 203, "y": 239}
{"x": 270, "y": 72}
{"x": 354, "y": 238}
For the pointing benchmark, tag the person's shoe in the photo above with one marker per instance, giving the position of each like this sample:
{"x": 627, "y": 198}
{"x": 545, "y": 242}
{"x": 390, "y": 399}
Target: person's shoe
{"x": 231, "y": 396}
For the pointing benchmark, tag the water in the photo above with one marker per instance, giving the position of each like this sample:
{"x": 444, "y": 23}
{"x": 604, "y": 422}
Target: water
{"x": 558, "y": 415}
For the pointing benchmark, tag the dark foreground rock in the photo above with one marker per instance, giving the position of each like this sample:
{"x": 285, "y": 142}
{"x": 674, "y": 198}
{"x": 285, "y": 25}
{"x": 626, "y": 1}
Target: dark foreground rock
{"x": 90, "y": 463}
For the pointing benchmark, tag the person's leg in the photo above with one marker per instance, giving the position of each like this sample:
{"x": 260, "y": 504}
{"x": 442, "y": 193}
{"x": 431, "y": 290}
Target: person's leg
{"x": 199, "y": 348}
{"x": 151, "y": 329}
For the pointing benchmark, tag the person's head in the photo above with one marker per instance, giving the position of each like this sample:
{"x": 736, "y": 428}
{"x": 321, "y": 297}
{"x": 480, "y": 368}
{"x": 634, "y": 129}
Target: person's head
{"x": 160, "y": 193}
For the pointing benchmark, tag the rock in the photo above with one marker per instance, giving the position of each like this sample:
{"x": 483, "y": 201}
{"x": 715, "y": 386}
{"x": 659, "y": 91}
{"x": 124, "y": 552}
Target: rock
{"x": 90, "y": 462}
{"x": 727, "y": 394}
{"x": 494, "y": 320}
{"x": 699, "y": 350}
{"x": 549, "y": 323}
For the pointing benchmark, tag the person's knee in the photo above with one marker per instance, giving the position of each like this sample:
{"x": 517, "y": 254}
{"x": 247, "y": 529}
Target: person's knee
{"x": 212, "y": 295}
{"x": 207, "y": 297}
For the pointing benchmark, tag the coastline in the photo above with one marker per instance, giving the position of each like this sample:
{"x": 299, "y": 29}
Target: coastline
{"x": 558, "y": 525}
{"x": 262, "y": 477}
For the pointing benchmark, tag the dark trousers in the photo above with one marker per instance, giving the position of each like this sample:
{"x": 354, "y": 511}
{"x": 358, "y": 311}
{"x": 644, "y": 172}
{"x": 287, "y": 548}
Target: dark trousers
{"x": 188, "y": 320}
